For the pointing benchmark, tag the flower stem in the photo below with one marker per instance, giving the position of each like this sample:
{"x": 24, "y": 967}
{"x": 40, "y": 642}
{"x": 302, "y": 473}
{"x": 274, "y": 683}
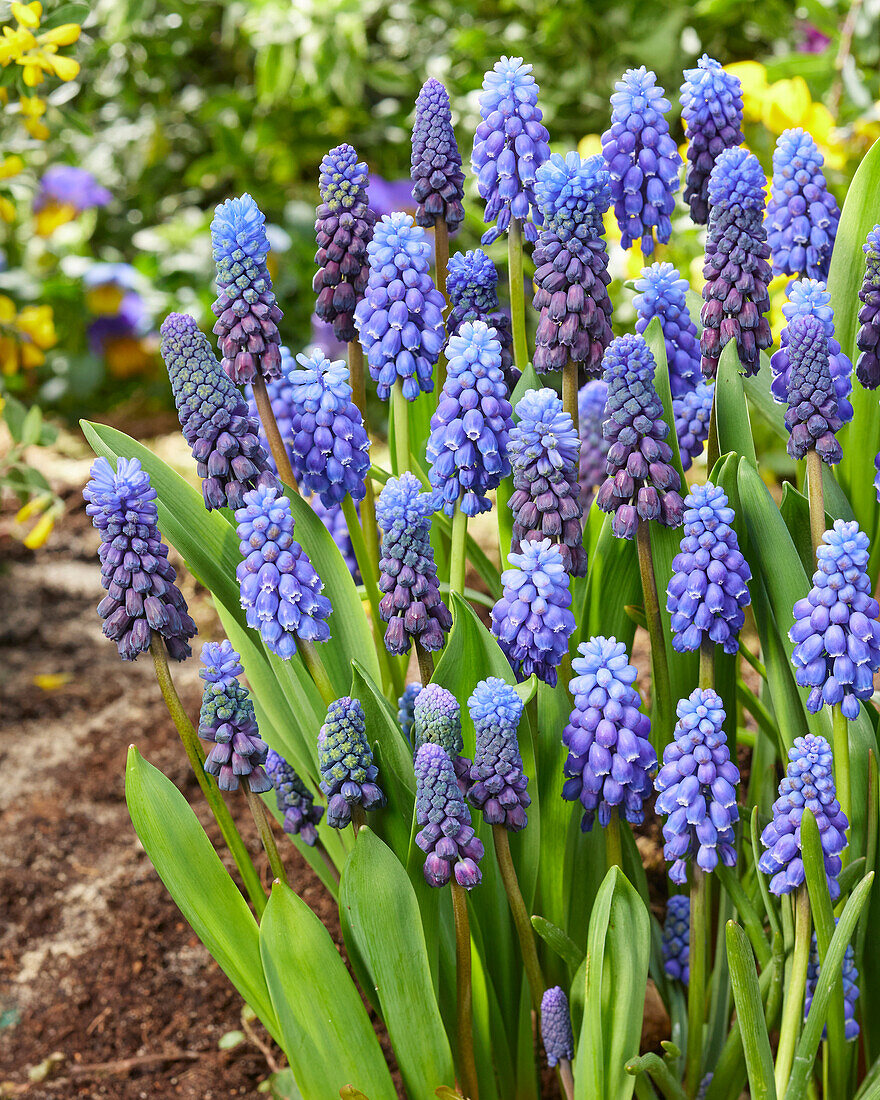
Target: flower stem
{"x": 570, "y": 392}
{"x": 517, "y": 293}
{"x": 699, "y": 936}
{"x": 464, "y": 1014}
{"x": 660, "y": 686}
{"x": 358, "y": 818}
{"x": 368, "y": 507}
{"x": 270, "y": 427}
{"x": 793, "y": 1006}
{"x": 613, "y": 849}
{"x": 563, "y": 1067}
{"x": 264, "y": 828}
{"x": 316, "y": 669}
{"x": 707, "y": 662}
{"x": 840, "y": 737}
{"x": 458, "y": 557}
{"x": 524, "y": 929}
{"x": 426, "y": 664}
{"x": 816, "y": 496}
{"x": 400, "y": 415}
{"x": 193, "y": 749}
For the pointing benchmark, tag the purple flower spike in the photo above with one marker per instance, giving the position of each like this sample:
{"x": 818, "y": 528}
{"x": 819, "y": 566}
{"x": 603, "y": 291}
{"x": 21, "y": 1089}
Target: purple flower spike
{"x": 406, "y": 709}
{"x": 246, "y": 311}
{"x": 533, "y": 620}
{"x": 135, "y": 570}
{"x": 498, "y": 782}
{"x": 808, "y": 784}
{"x": 697, "y": 788}
{"x": 437, "y": 719}
{"x": 510, "y": 144}
{"x": 227, "y": 719}
{"x": 868, "y": 338}
{"x": 836, "y": 633}
{"x": 693, "y": 415}
{"x": 467, "y": 448}
{"x": 707, "y": 592}
{"x": 224, "y": 438}
{"x": 471, "y": 287}
{"x": 295, "y": 801}
{"x": 661, "y": 293}
{"x": 640, "y": 483}
{"x": 594, "y": 446}
{"x": 811, "y": 416}
{"x": 610, "y": 759}
{"x": 400, "y": 318}
{"x": 438, "y": 181}
{"x": 850, "y": 978}
{"x": 677, "y": 938}
{"x": 280, "y": 590}
{"x": 712, "y": 110}
{"x": 556, "y": 1033}
{"x": 345, "y": 759}
{"x": 735, "y": 296}
{"x": 446, "y": 835}
{"x": 643, "y": 160}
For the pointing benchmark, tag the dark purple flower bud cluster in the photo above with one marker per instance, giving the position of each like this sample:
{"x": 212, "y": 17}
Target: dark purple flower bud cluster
{"x": 445, "y": 831}
{"x": 850, "y": 977}
{"x": 498, "y": 782}
{"x": 594, "y": 446}
{"x": 141, "y": 594}
{"x": 693, "y": 416}
{"x": 808, "y": 784}
{"x": 712, "y": 110}
{"x": 836, "y": 633}
{"x": 471, "y": 287}
{"x": 344, "y": 228}
{"x": 406, "y": 709}
{"x": 811, "y": 416}
{"x": 438, "y": 181}
{"x": 677, "y": 938}
{"x": 345, "y": 759}
{"x": 437, "y": 719}
{"x": 697, "y": 788}
{"x": 295, "y": 801}
{"x": 640, "y": 483}
{"x": 227, "y": 719}
{"x": 661, "y": 293}
{"x": 610, "y": 759}
{"x": 868, "y": 338}
{"x": 556, "y": 1033}
{"x": 246, "y": 311}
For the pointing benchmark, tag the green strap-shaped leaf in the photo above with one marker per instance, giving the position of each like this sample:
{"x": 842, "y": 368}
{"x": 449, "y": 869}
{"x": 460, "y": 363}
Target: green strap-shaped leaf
{"x": 731, "y": 411}
{"x": 750, "y": 1011}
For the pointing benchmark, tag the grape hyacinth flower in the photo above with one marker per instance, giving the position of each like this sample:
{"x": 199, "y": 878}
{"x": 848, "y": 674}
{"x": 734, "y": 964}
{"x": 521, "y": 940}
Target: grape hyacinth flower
{"x": 836, "y": 633}
{"x": 533, "y": 620}
{"x": 280, "y": 590}
{"x": 643, "y": 160}
{"x": 811, "y": 416}
{"x": 661, "y": 293}
{"x": 543, "y": 448}
{"x": 246, "y": 311}
{"x": 510, "y": 144}
{"x": 802, "y": 214}
{"x": 712, "y": 110}
{"x": 556, "y": 1033}
{"x": 345, "y": 760}
{"x": 697, "y": 788}
{"x": 640, "y": 483}
{"x": 850, "y": 977}
{"x": 610, "y": 759}
{"x": 411, "y": 603}
{"x": 329, "y": 449}
{"x": 571, "y": 263}
{"x": 498, "y": 782}
{"x": 708, "y": 589}
{"x": 677, "y": 938}
{"x": 343, "y": 229}
{"x": 141, "y": 594}
{"x": 735, "y": 296}
{"x": 467, "y": 448}
{"x": 437, "y": 719}
{"x": 334, "y": 520}
{"x": 471, "y": 287}
{"x": 438, "y": 181}
{"x": 594, "y": 446}
{"x": 214, "y": 417}
{"x": 400, "y": 317}
{"x": 445, "y": 831}
{"x": 227, "y": 719}
{"x": 693, "y": 416}
{"x": 295, "y": 801}
{"x": 808, "y": 784}
{"x": 406, "y": 709}
{"x": 868, "y": 338}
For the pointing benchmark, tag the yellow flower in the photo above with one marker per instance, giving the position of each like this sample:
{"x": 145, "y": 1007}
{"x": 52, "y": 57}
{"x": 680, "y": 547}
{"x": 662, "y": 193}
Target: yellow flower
{"x": 32, "y": 109}
{"x": 126, "y": 356}
{"x": 37, "y": 323}
{"x": 753, "y": 77}
{"x": 27, "y": 15}
{"x": 7, "y": 210}
{"x": 590, "y": 145}
{"x": 11, "y": 166}
{"x": 105, "y": 299}
{"x": 51, "y": 681}
{"x": 65, "y": 35}
{"x": 53, "y": 215}
{"x": 14, "y": 43}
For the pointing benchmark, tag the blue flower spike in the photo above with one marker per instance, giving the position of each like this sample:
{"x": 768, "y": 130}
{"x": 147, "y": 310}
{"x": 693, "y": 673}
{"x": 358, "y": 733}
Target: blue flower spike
{"x": 445, "y": 834}
{"x": 345, "y": 759}
{"x": 438, "y": 181}
{"x": 497, "y": 780}
{"x": 712, "y": 110}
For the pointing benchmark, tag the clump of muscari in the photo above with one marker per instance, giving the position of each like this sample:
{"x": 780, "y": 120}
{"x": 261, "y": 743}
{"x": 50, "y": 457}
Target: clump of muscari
{"x": 438, "y": 181}
{"x": 556, "y": 1033}
{"x": 345, "y": 759}
{"x": 471, "y": 287}
{"x": 594, "y": 446}
{"x": 661, "y": 293}
{"x": 693, "y": 417}
{"x": 437, "y": 719}
{"x": 295, "y": 801}
{"x": 677, "y": 937}
{"x": 227, "y": 719}
{"x": 445, "y": 831}
{"x": 406, "y": 709}
{"x": 497, "y": 780}
{"x": 868, "y": 337}
{"x": 712, "y": 111}
{"x": 811, "y": 416}
{"x": 849, "y": 977}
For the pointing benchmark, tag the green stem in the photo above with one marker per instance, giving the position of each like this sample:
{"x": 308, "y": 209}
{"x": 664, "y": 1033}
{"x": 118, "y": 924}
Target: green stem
{"x": 464, "y": 1007}
{"x": 793, "y": 1006}
{"x": 840, "y": 738}
{"x": 426, "y": 665}
{"x": 757, "y": 709}
{"x": 517, "y": 294}
{"x": 358, "y": 818}
{"x": 524, "y": 929}
{"x": 699, "y": 938}
{"x": 570, "y": 392}
{"x": 316, "y": 669}
{"x": 707, "y": 662}
{"x": 458, "y": 556}
{"x": 368, "y": 506}
{"x": 661, "y": 692}
{"x": 264, "y": 828}
{"x": 613, "y": 848}
{"x": 400, "y": 414}
{"x": 270, "y": 427}
{"x": 193, "y": 749}
{"x": 816, "y": 497}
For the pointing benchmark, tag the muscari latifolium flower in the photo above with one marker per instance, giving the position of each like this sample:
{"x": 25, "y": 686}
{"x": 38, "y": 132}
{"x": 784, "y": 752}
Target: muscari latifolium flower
{"x": 594, "y": 446}
{"x": 811, "y": 417}
{"x": 868, "y": 338}
{"x": 295, "y": 801}
{"x": 497, "y": 780}
{"x": 348, "y": 774}
{"x": 227, "y": 720}
{"x": 438, "y": 181}
{"x": 445, "y": 834}
{"x": 677, "y": 937}
{"x": 472, "y": 289}
{"x": 406, "y": 709}
{"x": 712, "y": 111}
{"x": 437, "y": 719}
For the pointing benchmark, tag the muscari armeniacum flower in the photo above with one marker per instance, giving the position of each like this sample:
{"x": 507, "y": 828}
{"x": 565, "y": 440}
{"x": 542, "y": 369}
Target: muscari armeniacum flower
{"x": 808, "y": 784}
{"x": 707, "y": 592}
{"x": 643, "y": 160}
{"x": 610, "y": 759}
{"x": 437, "y": 718}
{"x": 868, "y": 338}
{"x": 400, "y": 318}
{"x": 661, "y": 293}
{"x": 693, "y": 417}
{"x": 571, "y": 264}
{"x": 697, "y": 788}
{"x": 802, "y": 214}
{"x": 246, "y": 311}
{"x": 497, "y": 780}
{"x": 836, "y": 633}
{"x": 850, "y": 978}
{"x": 510, "y": 144}
{"x": 411, "y": 603}
{"x": 594, "y": 446}
{"x": 543, "y": 448}
{"x": 712, "y": 110}
{"x": 677, "y": 938}
{"x": 280, "y": 590}
{"x": 467, "y": 448}
{"x": 472, "y": 289}
{"x": 533, "y": 619}
{"x": 556, "y": 1033}
{"x": 214, "y": 417}
{"x": 811, "y": 416}
{"x": 345, "y": 760}
{"x": 142, "y": 596}
{"x": 445, "y": 834}
{"x": 295, "y": 801}
{"x": 735, "y": 296}
{"x": 406, "y": 709}
{"x": 438, "y": 181}
{"x": 227, "y": 719}
{"x": 640, "y": 483}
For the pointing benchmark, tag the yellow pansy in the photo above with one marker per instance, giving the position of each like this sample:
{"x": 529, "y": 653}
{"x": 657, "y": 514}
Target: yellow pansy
{"x": 53, "y": 215}
{"x": 105, "y": 299}
{"x": 126, "y": 356}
